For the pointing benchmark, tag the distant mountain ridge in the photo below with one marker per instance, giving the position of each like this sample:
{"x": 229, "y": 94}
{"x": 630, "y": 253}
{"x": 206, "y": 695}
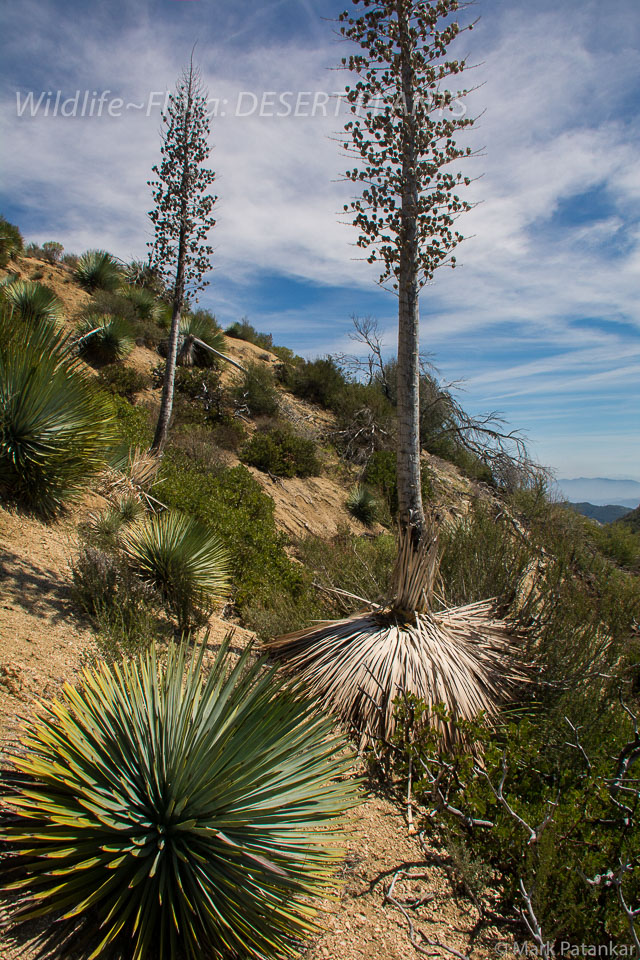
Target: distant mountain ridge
{"x": 603, "y": 514}
{"x": 600, "y": 491}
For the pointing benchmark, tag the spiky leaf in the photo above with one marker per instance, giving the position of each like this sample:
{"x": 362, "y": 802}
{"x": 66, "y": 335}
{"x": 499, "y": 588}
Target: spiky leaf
{"x": 173, "y": 819}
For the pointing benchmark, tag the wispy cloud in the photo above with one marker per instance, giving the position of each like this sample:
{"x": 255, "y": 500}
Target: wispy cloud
{"x": 545, "y": 307}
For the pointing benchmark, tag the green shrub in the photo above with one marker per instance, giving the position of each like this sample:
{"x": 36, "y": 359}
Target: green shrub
{"x": 229, "y": 434}
{"x": 103, "y": 339}
{"x": 540, "y": 813}
{"x": 365, "y": 421}
{"x": 257, "y": 391}
{"x": 362, "y": 505}
{"x": 52, "y": 251}
{"x": 55, "y": 424}
{"x": 319, "y": 381}
{"x": 199, "y": 397}
{"x": 200, "y": 800}
{"x": 483, "y": 556}
{"x": 232, "y": 503}
{"x": 70, "y": 260}
{"x": 126, "y": 381}
{"x": 244, "y": 331}
{"x": 147, "y": 332}
{"x": 279, "y": 451}
{"x": 11, "y": 243}
{"x": 183, "y": 560}
{"x": 33, "y": 302}
{"x": 360, "y": 565}
{"x": 97, "y": 270}
{"x": 619, "y": 542}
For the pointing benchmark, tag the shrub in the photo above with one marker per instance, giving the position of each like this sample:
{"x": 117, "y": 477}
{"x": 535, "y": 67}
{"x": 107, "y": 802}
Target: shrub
{"x": 55, "y": 425}
{"x": 70, "y": 260}
{"x": 232, "y": 503}
{"x": 97, "y": 270}
{"x": 229, "y": 434}
{"x": 52, "y": 251}
{"x": 360, "y": 565}
{"x": 183, "y": 560}
{"x": 483, "y": 556}
{"x": 257, "y": 391}
{"x": 619, "y": 542}
{"x": 362, "y": 505}
{"x": 365, "y": 421}
{"x": 540, "y": 812}
{"x": 11, "y": 243}
{"x": 105, "y": 339}
{"x": 126, "y": 381}
{"x": 244, "y": 331}
{"x": 105, "y": 590}
{"x": 320, "y": 381}
{"x": 279, "y": 451}
{"x": 32, "y": 302}
{"x": 199, "y": 397}
{"x": 205, "y": 801}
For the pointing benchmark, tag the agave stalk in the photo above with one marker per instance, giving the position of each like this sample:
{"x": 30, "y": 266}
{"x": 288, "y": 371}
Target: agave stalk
{"x": 157, "y": 814}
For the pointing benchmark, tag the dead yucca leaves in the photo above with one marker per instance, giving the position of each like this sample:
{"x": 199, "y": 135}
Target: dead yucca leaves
{"x": 462, "y": 657}
{"x": 131, "y": 473}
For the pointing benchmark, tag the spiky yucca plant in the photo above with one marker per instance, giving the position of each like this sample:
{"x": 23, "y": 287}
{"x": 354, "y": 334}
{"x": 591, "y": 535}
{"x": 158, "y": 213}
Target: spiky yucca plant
{"x": 199, "y": 341}
{"x": 97, "y": 270}
{"x": 145, "y": 304}
{"x": 183, "y": 560}
{"x": 105, "y": 527}
{"x": 362, "y": 504}
{"x": 55, "y": 425}
{"x": 160, "y": 816}
{"x": 105, "y": 339}
{"x": 32, "y": 301}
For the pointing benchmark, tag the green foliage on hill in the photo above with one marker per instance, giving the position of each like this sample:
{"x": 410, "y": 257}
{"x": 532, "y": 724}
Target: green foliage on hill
{"x": 243, "y": 330}
{"x": 278, "y": 450}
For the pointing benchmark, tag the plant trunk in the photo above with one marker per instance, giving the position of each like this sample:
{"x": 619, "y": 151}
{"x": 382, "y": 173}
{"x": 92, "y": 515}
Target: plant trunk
{"x": 166, "y": 403}
{"x": 410, "y": 509}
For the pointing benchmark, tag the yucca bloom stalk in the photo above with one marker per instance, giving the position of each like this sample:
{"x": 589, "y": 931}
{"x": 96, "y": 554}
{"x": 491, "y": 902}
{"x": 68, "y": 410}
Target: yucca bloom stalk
{"x": 157, "y": 815}
{"x": 402, "y": 134}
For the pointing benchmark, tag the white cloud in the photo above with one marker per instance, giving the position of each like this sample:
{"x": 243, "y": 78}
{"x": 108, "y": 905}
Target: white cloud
{"x": 557, "y": 89}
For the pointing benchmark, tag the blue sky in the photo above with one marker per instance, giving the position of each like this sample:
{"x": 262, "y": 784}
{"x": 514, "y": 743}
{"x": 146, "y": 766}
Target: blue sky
{"x": 541, "y": 321}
